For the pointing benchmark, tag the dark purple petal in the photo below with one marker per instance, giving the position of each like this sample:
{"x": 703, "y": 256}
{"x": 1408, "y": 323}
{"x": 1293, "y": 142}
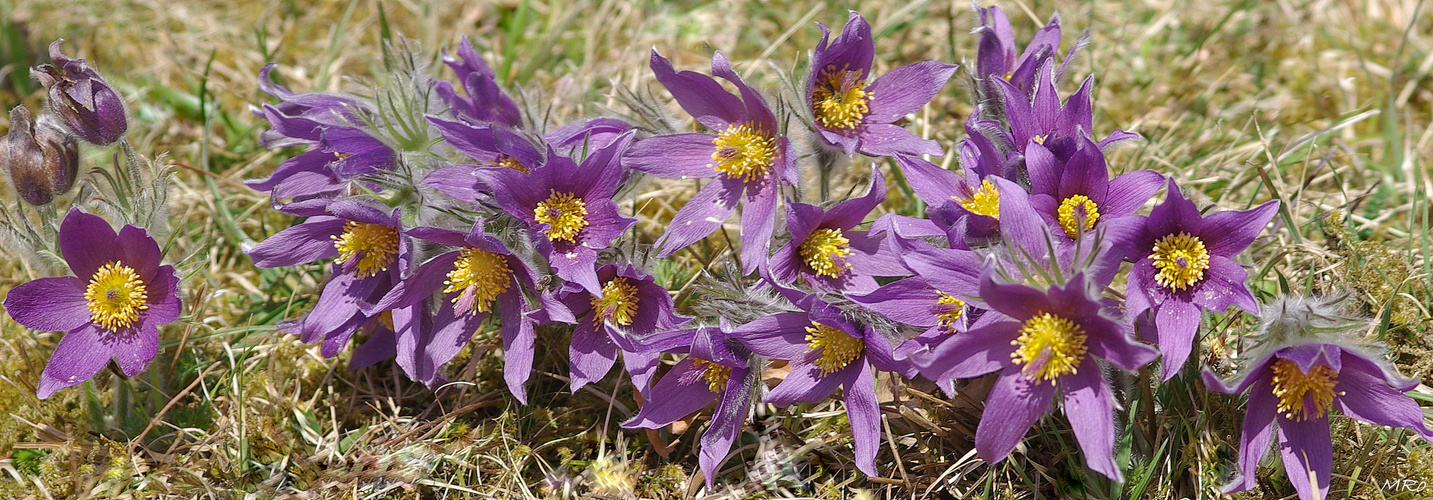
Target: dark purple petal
{"x": 1177, "y": 323}
{"x": 1013, "y": 406}
{"x": 969, "y": 354}
{"x": 1089, "y": 404}
{"x": 864, "y": 413}
{"x": 906, "y": 301}
{"x": 727, "y": 418}
{"x": 934, "y": 185}
{"x": 163, "y": 291}
{"x": 756, "y": 110}
{"x": 381, "y": 345}
{"x": 49, "y": 304}
{"x": 86, "y": 241}
{"x": 1223, "y": 285}
{"x": 641, "y": 367}
{"x": 906, "y": 89}
{"x": 758, "y": 222}
{"x": 778, "y": 336}
{"x": 1307, "y": 451}
{"x": 307, "y": 242}
{"x": 702, "y": 215}
{"x": 1254, "y": 439}
{"x": 680, "y": 156}
{"x": 883, "y": 139}
{"x": 591, "y": 354}
{"x": 1229, "y": 232}
{"x": 806, "y": 384}
{"x": 519, "y": 344}
{"x": 458, "y": 181}
{"x": 1044, "y": 170}
{"x": 1016, "y": 301}
{"x": 1128, "y": 192}
{"x": 700, "y": 95}
{"x": 478, "y": 142}
{"x": 1363, "y": 394}
{"x": 679, "y": 393}
{"x": 80, "y": 355}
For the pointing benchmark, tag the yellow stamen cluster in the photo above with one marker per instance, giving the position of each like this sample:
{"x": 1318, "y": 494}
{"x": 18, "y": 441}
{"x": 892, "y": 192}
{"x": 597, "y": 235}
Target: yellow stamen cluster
{"x": 716, "y": 374}
{"x": 985, "y": 202}
{"x": 478, "y": 276}
{"x": 953, "y": 308}
{"x": 826, "y": 251}
{"x": 743, "y": 152}
{"x": 1078, "y": 214}
{"x": 1040, "y": 139}
{"x": 374, "y": 245}
{"x": 1049, "y": 346}
{"x": 506, "y": 161}
{"x": 115, "y": 296}
{"x": 618, "y": 303}
{"x": 840, "y": 100}
{"x": 1304, "y": 396}
{"x": 1181, "y": 260}
{"x": 837, "y": 348}
{"x": 566, "y": 214}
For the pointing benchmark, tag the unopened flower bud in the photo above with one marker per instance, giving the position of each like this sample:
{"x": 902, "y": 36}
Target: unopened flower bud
{"x": 61, "y": 150}
{"x": 21, "y": 154}
{"x": 86, "y": 103}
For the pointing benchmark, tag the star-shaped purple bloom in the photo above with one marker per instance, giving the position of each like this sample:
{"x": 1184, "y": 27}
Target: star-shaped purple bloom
{"x": 112, "y": 307}
{"x": 631, "y": 304}
{"x": 745, "y": 155}
{"x": 568, "y": 207}
{"x": 995, "y": 55}
{"x": 854, "y": 115}
{"x": 1295, "y": 387}
{"x": 1041, "y": 342}
{"x": 486, "y": 102}
{"x": 715, "y": 369}
{"x": 1075, "y": 195}
{"x": 492, "y": 147}
{"x": 1183, "y": 264}
{"x": 1041, "y": 118}
{"x": 828, "y": 253}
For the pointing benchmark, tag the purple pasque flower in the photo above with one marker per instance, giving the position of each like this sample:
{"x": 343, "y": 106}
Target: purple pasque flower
{"x": 486, "y": 102}
{"x": 1293, "y": 388}
{"x": 112, "y": 307}
{"x": 1183, "y": 264}
{"x": 82, "y": 98}
{"x": 1041, "y": 342}
{"x": 371, "y": 253}
{"x": 716, "y": 369}
{"x": 478, "y": 277}
{"x": 854, "y": 115}
{"x": 745, "y": 155}
{"x": 827, "y": 351}
{"x": 568, "y": 207}
{"x": 1041, "y": 118}
{"x": 339, "y": 150}
{"x": 631, "y": 304}
{"x": 995, "y": 55}
{"x": 972, "y": 208}
{"x": 828, "y": 252}
{"x": 940, "y": 297}
{"x": 490, "y": 147}
{"x": 1073, "y": 196}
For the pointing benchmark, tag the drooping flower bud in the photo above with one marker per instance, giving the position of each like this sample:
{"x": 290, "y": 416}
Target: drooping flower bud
{"x": 87, "y": 103}
{"x": 21, "y": 154}
{"x": 61, "y": 151}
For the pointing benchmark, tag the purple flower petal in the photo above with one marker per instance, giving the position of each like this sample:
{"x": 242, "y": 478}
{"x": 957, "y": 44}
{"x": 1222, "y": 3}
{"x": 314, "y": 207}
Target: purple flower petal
{"x": 806, "y": 384}
{"x": 1128, "y": 192}
{"x": 89, "y": 242}
{"x": 758, "y": 222}
{"x": 884, "y": 139}
{"x": 1254, "y": 439}
{"x": 300, "y": 244}
{"x": 1363, "y": 394}
{"x": 519, "y": 344}
{"x": 1223, "y": 285}
{"x": 81, "y": 355}
{"x": 1089, "y": 404}
{"x": 778, "y": 336}
{"x": 702, "y": 215}
{"x": 50, "y": 304}
{"x": 591, "y": 354}
{"x": 1229, "y": 232}
{"x": 906, "y": 301}
{"x": 1013, "y": 406}
{"x": 906, "y": 89}
{"x": 679, "y": 156}
{"x": 727, "y": 418}
{"x": 969, "y": 354}
{"x": 1307, "y": 451}
{"x": 675, "y": 396}
{"x": 864, "y": 414}
{"x": 699, "y": 95}
{"x": 1176, "y": 323}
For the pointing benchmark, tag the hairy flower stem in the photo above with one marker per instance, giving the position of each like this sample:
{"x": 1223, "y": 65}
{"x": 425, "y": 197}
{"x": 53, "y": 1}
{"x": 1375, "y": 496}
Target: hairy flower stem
{"x": 826, "y": 160}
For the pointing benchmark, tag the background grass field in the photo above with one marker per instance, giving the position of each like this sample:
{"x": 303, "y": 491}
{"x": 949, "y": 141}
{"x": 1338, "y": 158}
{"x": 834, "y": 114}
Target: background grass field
{"x": 1326, "y": 105}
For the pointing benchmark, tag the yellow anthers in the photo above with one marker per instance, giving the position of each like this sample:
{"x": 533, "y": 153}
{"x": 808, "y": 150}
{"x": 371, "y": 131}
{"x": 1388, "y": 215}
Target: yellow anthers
{"x": 506, "y": 161}
{"x": 1049, "y": 346}
{"x": 374, "y": 245}
{"x": 837, "y": 348}
{"x": 1040, "y": 139}
{"x": 1078, "y": 214}
{"x": 618, "y": 303}
{"x": 985, "y": 202}
{"x": 743, "y": 152}
{"x": 478, "y": 276}
{"x": 840, "y": 100}
{"x": 115, "y": 296}
{"x": 716, "y": 374}
{"x": 951, "y": 308}
{"x": 1181, "y": 260}
{"x": 826, "y": 251}
{"x": 1304, "y": 396}
{"x": 566, "y": 214}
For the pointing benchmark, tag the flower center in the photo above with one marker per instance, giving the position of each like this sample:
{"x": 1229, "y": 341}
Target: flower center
{"x": 743, "y": 152}
{"x": 618, "y": 303}
{"x": 506, "y": 161}
{"x": 1181, "y": 260}
{"x": 115, "y": 296}
{"x": 837, "y": 348}
{"x": 567, "y": 216}
{"x": 375, "y": 246}
{"x": 826, "y": 251}
{"x": 947, "y": 309}
{"x": 985, "y": 202}
{"x": 716, "y": 374}
{"x": 478, "y": 276}
{"x": 1049, "y": 346}
{"x": 1304, "y": 396}
{"x": 1078, "y": 214}
{"x": 840, "y": 99}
